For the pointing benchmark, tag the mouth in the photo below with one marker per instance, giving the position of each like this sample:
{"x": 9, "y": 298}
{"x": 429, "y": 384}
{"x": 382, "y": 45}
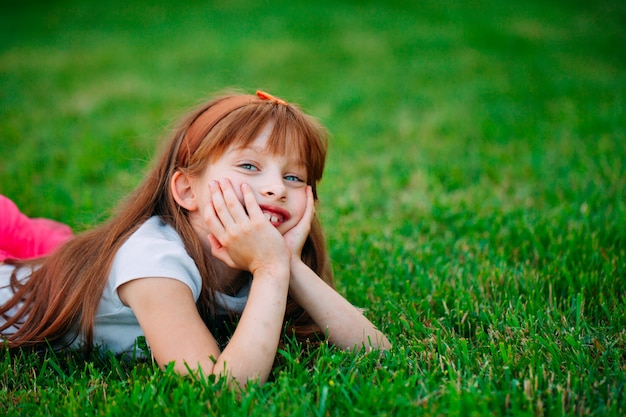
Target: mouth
{"x": 275, "y": 215}
{"x": 274, "y": 218}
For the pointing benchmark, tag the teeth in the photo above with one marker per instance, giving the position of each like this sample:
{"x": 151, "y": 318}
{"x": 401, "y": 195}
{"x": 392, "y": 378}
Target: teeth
{"x": 273, "y": 218}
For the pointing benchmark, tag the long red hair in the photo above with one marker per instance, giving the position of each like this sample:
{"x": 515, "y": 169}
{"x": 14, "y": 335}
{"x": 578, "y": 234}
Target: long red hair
{"x": 63, "y": 292}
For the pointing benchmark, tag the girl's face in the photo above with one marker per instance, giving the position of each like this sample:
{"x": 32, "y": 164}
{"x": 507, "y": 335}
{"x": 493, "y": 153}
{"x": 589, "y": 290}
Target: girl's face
{"x": 278, "y": 181}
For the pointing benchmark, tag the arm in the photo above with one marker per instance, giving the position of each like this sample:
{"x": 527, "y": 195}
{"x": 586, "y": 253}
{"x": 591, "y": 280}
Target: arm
{"x": 347, "y": 327}
{"x": 166, "y": 311}
{"x": 168, "y": 315}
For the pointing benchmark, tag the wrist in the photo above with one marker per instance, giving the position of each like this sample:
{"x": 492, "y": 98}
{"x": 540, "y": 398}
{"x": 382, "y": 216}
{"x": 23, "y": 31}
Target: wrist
{"x": 278, "y": 270}
{"x": 296, "y": 264}
{"x": 297, "y": 272}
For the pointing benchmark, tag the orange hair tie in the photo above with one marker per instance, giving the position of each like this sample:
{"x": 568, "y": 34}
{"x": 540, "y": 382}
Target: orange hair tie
{"x": 266, "y": 96}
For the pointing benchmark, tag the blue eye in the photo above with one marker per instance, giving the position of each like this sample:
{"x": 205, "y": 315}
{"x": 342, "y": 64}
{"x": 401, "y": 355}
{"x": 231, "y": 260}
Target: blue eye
{"x": 293, "y": 178}
{"x": 249, "y": 167}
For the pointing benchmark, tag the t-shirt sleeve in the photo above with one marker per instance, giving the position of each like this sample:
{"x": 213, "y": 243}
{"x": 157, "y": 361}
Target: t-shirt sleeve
{"x": 155, "y": 253}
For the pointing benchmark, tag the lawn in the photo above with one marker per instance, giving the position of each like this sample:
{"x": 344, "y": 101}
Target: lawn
{"x": 474, "y": 201}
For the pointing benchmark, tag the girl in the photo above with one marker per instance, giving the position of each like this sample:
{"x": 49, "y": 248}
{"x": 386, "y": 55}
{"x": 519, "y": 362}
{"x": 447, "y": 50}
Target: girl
{"x": 222, "y": 226}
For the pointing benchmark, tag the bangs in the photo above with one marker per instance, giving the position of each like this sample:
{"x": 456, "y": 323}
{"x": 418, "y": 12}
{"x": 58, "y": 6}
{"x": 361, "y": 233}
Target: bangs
{"x": 293, "y": 133}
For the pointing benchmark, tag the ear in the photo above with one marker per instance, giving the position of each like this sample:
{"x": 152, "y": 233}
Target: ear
{"x": 182, "y": 191}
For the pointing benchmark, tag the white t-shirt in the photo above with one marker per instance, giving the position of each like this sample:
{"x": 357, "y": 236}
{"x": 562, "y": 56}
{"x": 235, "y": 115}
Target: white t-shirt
{"x": 154, "y": 250}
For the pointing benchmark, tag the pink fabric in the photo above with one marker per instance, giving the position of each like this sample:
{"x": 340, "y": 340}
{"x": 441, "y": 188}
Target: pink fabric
{"x": 22, "y": 237}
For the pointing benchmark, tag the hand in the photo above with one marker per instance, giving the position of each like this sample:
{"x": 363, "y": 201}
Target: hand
{"x": 242, "y": 237}
{"x": 297, "y": 235}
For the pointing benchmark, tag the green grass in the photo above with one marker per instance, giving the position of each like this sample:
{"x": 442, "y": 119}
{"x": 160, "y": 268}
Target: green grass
{"x": 474, "y": 200}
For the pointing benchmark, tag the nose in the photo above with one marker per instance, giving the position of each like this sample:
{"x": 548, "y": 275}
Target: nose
{"x": 274, "y": 187}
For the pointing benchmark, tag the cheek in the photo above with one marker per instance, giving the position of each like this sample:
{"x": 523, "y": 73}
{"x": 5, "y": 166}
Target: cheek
{"x": 300, "y": 205}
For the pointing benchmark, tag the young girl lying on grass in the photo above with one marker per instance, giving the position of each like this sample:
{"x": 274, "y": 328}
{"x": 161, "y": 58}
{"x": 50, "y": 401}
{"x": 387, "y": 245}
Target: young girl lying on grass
{"x": 222, "y": 229}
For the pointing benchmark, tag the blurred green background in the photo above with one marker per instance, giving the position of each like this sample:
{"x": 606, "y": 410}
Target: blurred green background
{"x": 418, "y": 95}
{"x": 475, "y": 188}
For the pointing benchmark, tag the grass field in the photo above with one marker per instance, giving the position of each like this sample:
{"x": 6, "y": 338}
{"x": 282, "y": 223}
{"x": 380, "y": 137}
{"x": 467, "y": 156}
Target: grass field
{"x": 474, "y": 201}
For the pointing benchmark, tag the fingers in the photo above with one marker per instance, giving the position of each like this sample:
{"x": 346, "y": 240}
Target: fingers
{"x": 220, "y": 252}
{"x": 211, "y": 217}
{"x": 296, "y": 237}
{"x": 239, "y": 234}
{"x": 310, "y": 205}
{"x": 226, "y": 204}
{"x": 221, "y": 213}
{"x": 252, "y": 206}
{"x": 307, "y": 217}
{"x": 226, "y": 215}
